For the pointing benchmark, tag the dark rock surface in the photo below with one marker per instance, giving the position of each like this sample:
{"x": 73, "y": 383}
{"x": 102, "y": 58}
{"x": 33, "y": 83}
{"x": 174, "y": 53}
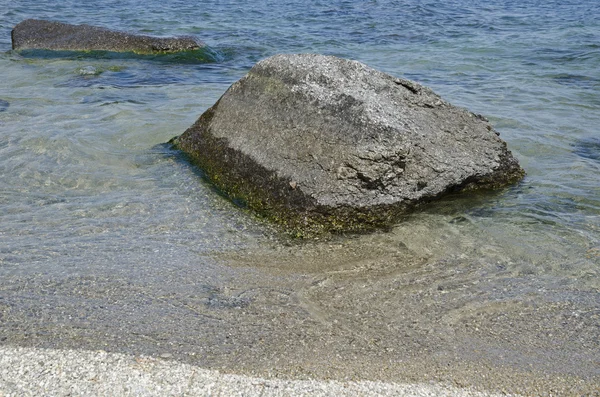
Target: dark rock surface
{"x": 49, "y": 35}
{"x": 318, "y": 143}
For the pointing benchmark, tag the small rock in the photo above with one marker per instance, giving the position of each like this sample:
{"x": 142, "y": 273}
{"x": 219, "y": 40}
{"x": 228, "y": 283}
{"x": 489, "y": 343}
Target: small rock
{"x": 89, "y": 71}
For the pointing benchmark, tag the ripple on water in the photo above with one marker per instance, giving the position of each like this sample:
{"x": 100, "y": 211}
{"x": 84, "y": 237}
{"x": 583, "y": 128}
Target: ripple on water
{"x": 588, "y": 148}
{"x": 202, "y": 55}
{"x": 121, "y": 77}
{"x": 577, "y": 81}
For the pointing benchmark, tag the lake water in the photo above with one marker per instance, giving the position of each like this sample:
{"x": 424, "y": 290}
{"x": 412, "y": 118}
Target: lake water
{"x": 110, "y": 240}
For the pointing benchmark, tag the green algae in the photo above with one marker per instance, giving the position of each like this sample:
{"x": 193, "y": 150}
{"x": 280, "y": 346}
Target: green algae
{"x": 279, "y": 199}
{"x": 275, "y": 199}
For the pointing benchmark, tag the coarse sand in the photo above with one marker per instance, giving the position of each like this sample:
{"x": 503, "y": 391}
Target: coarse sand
{"x": 45, "y": 372}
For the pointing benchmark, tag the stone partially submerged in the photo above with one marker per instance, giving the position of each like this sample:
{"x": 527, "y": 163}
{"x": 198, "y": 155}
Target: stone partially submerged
{"x": 318, "y": 143}
{"x": 49, "y": 35}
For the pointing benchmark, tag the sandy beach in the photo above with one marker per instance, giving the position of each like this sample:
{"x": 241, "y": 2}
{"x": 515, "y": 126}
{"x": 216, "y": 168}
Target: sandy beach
{"x": 37, "y": 372}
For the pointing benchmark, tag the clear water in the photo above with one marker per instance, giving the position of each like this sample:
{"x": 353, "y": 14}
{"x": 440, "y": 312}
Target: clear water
{"x": 109, "y": 239}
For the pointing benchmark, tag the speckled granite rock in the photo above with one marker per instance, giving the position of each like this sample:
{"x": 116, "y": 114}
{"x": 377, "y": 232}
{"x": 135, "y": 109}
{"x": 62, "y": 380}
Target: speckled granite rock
{"x": 318, "y": 143}
{"x": 49, "y": 35}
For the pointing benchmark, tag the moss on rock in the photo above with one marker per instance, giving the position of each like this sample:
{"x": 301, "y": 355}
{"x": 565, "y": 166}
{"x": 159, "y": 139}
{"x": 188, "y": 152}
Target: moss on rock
{"x": 320, "y": 144}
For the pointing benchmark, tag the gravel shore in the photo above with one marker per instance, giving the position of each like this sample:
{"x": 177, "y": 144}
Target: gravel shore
{"x": 44, "y": 372}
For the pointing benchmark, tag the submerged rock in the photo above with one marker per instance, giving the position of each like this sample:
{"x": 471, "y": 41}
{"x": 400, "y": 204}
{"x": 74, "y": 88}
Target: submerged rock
{"x": 318, "y": 143}
{"x": 49, "y": 35}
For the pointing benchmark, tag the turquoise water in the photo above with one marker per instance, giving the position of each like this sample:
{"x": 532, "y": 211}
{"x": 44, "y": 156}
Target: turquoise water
{"x": 106, "y": 232}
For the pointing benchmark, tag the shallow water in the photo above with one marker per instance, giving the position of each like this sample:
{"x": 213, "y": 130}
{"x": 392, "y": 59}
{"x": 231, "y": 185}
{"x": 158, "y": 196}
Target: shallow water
{"x": 109, "y": 239}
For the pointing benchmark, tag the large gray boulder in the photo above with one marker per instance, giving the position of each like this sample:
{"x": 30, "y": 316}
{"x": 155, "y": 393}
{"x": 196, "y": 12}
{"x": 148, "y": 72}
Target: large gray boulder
{"x": 49, "y": 35}
{"x": 318, "y": 143}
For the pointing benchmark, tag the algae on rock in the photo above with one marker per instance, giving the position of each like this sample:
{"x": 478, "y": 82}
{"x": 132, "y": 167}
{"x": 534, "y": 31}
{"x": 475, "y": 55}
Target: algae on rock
{"x": 52, "y": 35}
{"x": 319, "y": 144}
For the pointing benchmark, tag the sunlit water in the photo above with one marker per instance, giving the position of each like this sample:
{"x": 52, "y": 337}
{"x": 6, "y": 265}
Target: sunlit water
{"x": 109, "y": 239}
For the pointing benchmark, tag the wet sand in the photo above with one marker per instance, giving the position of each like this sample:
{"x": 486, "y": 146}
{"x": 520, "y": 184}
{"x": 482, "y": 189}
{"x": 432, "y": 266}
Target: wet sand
{"x": 363, "y": 308}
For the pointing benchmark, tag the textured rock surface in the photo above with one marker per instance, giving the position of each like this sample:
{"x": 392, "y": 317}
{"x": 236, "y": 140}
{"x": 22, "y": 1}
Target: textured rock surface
{"x": 322, "y": 143}
{"x": 49, "y": 35}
